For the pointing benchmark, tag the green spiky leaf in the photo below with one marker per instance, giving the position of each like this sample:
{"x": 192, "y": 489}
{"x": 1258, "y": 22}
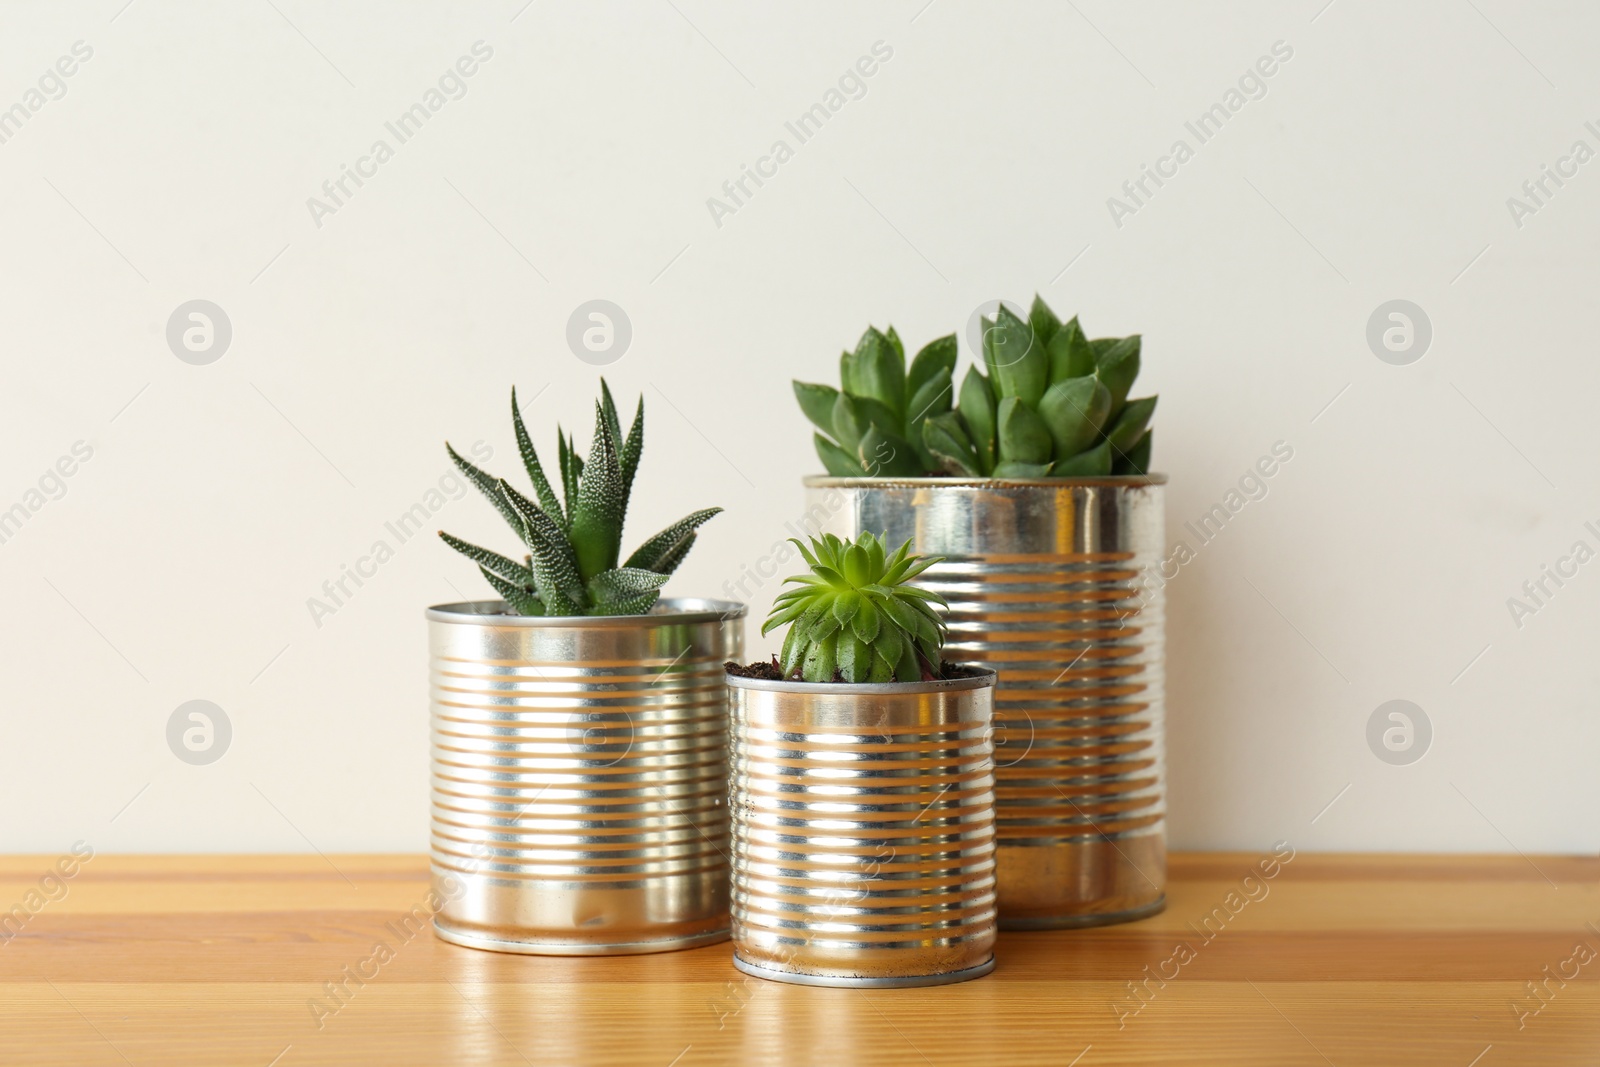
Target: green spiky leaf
{"x": 602, "y": 502}
{"x": 530, "y": 461}
{"x": 835, "y": 460}
{"x": 489, "y": 486}
{"x": 1023, "y": 436}
{"x": 508, "y": 569}
{"x": 979, "y": 414}
{"x": 624, "y": 588}
{"x": 1130, "y": 425}
{"x": 1020, "y": 367}
{"x": 1117, "y": 365}
{"x": 1135, "y": 460}
{"x": 946, "y": 441}
{"x": 853, "y": 614}
{"x": 1043, "y": 321}
{"x": 520, "y": 599}
{"x": 1071, "y": 355}
{"x": 936, "y": 359}
{"x": 1074, "y": 412}
{"x": 817, "y": 401}
{"x": 1094, "y": 463}
{"x": 659, "y": 551}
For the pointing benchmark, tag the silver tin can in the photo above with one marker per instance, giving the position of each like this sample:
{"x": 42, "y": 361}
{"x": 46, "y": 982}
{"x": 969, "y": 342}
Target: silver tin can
{"x": 580, "y": 777}
{"x": 1056, "y": 585}
{"x": 863, "y": 831}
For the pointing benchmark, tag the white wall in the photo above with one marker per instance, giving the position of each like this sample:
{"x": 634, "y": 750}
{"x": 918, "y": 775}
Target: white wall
{"x": 219, "y": 498}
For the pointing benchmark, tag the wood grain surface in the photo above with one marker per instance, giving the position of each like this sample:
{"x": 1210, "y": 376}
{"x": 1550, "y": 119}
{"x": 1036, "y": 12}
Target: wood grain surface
{"x": 1469, "y": 961}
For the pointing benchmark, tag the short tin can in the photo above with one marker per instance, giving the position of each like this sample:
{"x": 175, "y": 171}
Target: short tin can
{"x": 863, "y": 831}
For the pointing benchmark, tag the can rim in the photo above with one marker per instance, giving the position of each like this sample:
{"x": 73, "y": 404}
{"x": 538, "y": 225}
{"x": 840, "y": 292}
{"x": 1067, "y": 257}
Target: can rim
{"x": 1121, "y": 481}
{"x": 985, "y": 679}
{"x": 668, "y": 611}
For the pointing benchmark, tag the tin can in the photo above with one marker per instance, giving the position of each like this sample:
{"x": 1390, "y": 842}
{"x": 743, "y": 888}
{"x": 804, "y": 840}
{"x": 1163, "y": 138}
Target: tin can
{"x": 1054, "y": 583}
{"x": 863, "y": 831}
{"x": 580, "y": 777}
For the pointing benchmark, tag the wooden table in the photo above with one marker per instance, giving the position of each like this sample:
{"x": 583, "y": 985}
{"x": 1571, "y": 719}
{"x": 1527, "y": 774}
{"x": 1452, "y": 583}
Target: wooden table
{"x": 221, "y": 960}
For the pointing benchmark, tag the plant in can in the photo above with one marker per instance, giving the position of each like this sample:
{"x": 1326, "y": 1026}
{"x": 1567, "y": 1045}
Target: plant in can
{"x": 854, "y": 618}
{"x": 1053, "y": 403}
{"x": 574, "y": 540}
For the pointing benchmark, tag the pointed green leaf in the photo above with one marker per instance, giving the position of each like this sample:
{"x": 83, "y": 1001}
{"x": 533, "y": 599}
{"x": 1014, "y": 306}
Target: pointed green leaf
{"x": 817, "y": 402}
{"x": 1130, "y": 425}
{"x": 1135, "y": 460}
{"x": 946, "y": 441}
{"x": 820, "y": 661}
{"x": 597, "y": 521}
{"x": 848, "y": 423}
{"x": 1020, "y": 366}
{"x": 978, "y": 415}
{"x": 866, "y": 621}
{"x": 793, "y": 650}
{"x": 530, "y": 461}
{"x": 555, "y": 568}
{"x": 489, "y": 486}
{"x": 1023, "y": 436}
{"x": 1071, "y": 354}
{"x": 887, "y": 455}
{"x": 880, "y": 372}
{"x": 519, "y": 599}
{"x": 656, "y": 552}
{"x": 835, "y": 460}
{"x": 854, "y": 657}
{"x": 1074, "y": 411}
{"x": 937, "y": 359}
{"x": 632, "y": 450}
{"x": 623, "y": 583}
{"x": 569, "y": 476}
{"x": 1117, "y": 365}
{"x": 894, "y": 340}
{"x": 509, "y": 569}
{"x": 1094, "y": 463}
{"x": 1011, "y": 469}
{"x": 1043, "y": 321}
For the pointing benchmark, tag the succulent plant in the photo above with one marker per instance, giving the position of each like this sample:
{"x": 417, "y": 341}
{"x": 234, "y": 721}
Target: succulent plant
{"x": 574, "y": 540}
{"x": 854, "y": 618}
{"x": 873, "y": 424}
{"x": 1053, "y": 404}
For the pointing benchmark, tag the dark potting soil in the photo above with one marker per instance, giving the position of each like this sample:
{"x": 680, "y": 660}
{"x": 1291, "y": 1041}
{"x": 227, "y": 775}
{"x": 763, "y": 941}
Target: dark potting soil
{"x": 770, "y": 671}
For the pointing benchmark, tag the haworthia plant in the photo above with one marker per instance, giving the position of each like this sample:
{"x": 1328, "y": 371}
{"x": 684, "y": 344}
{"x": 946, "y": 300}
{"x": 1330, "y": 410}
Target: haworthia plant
{"x": 1048, "y": 402}
{"x": 574, "y": 539}
{"x": 854, "y": 618}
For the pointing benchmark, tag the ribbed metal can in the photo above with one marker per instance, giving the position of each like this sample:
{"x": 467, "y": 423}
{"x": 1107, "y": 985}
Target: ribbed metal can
{"x": 580, "y": 777}
{"x": 1056, "y": 585}
{"x": 863, "y": 831}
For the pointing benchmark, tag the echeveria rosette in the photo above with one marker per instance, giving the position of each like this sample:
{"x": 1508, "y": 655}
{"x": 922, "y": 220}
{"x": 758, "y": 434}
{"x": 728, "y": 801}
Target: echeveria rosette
{"x": 854, "y": 618}
{"x": 1048, "y": 402}
{"x": 872, "y": 424}
{"x": 574, "y": 539}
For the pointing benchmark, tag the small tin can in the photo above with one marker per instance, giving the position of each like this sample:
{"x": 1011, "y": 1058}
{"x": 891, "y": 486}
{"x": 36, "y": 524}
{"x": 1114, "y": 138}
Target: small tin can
{"x": 863, "y": 831}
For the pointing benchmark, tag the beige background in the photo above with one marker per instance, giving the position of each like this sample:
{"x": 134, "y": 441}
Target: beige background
{"x": 976, "y": 164}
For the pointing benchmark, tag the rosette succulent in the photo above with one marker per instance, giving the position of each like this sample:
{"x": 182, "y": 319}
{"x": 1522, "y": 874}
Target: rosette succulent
{"x": 873, "y": 425}
{"x": 854, "y": 618}
{"x": 573, "y": 544}
{"x": 1053, "y": 404}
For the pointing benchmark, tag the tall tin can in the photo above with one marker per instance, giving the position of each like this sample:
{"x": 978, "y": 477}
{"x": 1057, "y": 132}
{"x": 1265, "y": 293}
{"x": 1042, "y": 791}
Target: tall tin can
{"x": 863, "y": 831}
{"x": 580, "y": 777}
{"x": 1055, "y": 584}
